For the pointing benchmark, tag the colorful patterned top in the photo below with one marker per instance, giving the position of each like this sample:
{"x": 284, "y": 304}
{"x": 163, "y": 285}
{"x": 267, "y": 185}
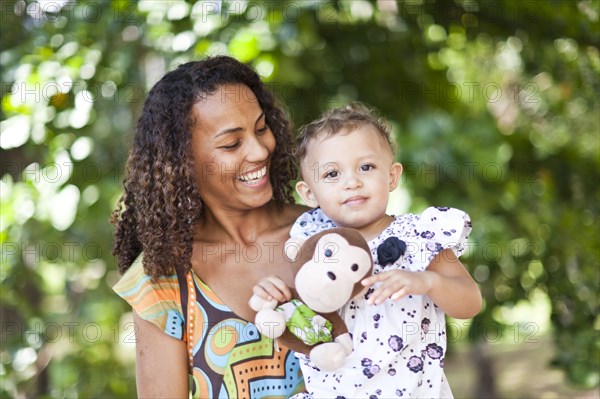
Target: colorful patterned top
{"x": 229, "y": 358}
{"x": 399, "y": 346}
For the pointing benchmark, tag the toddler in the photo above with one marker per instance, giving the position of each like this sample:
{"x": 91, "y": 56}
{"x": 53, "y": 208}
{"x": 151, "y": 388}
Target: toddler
{"x": 398, "y": 323}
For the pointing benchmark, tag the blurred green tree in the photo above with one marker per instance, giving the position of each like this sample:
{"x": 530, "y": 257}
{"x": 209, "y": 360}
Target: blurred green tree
{"x": 495, "y": 105}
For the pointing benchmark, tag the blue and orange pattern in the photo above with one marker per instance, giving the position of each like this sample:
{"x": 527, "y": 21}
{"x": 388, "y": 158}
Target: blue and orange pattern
{"x": 230, "y": 359}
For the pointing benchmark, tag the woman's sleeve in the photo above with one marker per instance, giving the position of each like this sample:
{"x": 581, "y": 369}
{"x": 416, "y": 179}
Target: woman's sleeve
{"x": 157, "y": 302}
{"x": 310, "y": 223}
{"x": 440, "y": 228}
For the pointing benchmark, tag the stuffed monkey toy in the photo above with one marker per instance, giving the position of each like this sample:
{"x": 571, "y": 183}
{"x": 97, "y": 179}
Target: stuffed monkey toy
{"x": 328, "y": 269}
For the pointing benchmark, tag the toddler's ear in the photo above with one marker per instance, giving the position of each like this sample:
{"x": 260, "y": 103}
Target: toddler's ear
{"x": 306, "y": 194}
{"x": 395, "y": 173}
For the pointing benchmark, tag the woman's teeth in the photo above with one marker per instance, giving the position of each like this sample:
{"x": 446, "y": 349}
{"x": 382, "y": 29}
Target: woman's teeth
{"x": 255, "y": 176}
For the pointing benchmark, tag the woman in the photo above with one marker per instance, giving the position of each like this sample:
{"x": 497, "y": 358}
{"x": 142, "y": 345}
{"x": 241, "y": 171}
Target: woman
{"x": 206, "y": 210}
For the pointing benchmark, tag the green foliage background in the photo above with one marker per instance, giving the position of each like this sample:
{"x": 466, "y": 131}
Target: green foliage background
{"x": 495, "y": 105}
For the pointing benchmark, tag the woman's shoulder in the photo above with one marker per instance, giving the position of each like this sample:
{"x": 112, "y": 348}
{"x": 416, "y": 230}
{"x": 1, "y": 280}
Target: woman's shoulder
{"x": 157, "y": 301}
{"x": 136, "y": 275}
{"x": 297, "y": 210}
{"x": 289, "y": 213}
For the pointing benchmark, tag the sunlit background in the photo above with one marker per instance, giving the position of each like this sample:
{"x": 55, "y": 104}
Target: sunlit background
{"x": 495, "y": 106}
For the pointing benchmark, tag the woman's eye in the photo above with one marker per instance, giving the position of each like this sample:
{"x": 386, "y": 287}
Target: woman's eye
{"x": 367, "y": 167}
{"x": 262, "y": 130}
{"x": 231, "y": 146}
{"x": 332, "y": 175}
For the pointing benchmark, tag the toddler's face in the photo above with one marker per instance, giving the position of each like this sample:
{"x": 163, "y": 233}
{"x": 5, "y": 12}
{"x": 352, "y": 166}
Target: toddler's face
{"x": 349, "y": 175}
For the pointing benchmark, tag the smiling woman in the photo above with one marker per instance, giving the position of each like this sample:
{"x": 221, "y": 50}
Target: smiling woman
{"x": 206, "y": 185}
{"x": 232, "y": 143}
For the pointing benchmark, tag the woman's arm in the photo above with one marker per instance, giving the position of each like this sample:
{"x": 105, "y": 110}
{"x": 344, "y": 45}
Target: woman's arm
{"x": 161, "y": 362}
{"x": 446, "y": 281}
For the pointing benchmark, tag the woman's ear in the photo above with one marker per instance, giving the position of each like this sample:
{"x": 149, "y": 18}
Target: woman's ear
{"x": 306, "y": 194}
{"x": 395, "y": 173}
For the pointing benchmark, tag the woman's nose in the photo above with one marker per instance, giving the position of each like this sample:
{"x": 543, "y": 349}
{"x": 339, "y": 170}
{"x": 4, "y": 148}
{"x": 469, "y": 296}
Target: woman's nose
{"x": 257, "y": 150}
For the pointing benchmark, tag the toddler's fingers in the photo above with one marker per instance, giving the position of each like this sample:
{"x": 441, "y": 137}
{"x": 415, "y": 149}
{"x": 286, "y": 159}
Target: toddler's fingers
{"x": 398, "y": 294}
{"x": 283, "y": 289}
{"x": 373, "y": 279}
{"x": 380, "y": 295}
{"x": 276, "y": 287}
{"x": 261, "y": 292}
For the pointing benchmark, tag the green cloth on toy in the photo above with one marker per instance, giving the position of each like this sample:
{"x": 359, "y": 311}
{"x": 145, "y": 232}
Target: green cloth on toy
{"x": 310, "y": 327}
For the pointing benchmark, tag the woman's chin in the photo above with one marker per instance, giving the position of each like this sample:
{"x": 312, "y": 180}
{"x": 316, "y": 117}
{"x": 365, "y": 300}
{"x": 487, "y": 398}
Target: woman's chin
{"x": 257, "y": 197}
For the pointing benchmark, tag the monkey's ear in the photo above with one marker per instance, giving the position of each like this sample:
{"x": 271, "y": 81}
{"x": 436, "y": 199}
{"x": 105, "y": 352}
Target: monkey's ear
{"x": 292, "y": 248}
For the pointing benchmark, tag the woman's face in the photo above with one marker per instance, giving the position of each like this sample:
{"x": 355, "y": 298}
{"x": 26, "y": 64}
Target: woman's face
{"x": 232, "y": 146}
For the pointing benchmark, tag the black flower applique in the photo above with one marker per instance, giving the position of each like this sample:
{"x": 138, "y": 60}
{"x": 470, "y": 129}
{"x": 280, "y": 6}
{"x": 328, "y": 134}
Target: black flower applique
{"x": 390, "y": 250}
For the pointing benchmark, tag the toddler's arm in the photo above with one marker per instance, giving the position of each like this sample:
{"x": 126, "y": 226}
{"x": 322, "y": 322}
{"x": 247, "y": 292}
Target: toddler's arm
{"x": 446, "y": 281}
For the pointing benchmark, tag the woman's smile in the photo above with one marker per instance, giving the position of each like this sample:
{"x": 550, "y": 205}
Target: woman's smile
{"x": 255, "y": 178}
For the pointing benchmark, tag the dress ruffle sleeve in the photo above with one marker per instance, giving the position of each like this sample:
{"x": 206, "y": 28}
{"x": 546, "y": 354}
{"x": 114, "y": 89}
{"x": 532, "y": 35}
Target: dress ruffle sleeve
{"x": 157, "y": 302}
{"x": 440, "y": 228}
{"x": 310, "y": 223}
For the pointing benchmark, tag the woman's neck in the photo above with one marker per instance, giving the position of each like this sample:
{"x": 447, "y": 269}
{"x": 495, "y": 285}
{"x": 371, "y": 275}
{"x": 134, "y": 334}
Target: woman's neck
{"x": 244, "y": 227}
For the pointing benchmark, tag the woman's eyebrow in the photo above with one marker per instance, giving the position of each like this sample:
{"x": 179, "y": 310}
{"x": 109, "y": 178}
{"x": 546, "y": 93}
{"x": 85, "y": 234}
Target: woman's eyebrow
{"x": 228, "y": 131}
{"x": 262, "y": 115}
{"x": 238, "y": 129}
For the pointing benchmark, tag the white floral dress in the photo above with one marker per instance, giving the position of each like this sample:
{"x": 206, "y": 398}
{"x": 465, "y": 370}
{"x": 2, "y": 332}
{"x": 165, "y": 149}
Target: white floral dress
{"x": 399, "y": 346}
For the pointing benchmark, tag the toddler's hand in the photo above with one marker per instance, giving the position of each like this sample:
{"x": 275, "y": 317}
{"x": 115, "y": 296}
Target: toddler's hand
{"x": 396, "y": 284}
{"x": 272, "y": 287}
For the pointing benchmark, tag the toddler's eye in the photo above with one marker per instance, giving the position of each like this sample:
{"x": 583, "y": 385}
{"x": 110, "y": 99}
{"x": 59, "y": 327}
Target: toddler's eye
{"x": 332, "y": 175}
{"x": 367, "y": 167}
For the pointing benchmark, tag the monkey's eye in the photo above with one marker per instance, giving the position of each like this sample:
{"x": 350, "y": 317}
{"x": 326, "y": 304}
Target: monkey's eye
{"x": 354, "y": 267}
{"x": 328, "y": 253}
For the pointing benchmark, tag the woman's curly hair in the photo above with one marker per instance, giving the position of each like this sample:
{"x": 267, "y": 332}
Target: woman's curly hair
{"x": 160, "y": 205}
